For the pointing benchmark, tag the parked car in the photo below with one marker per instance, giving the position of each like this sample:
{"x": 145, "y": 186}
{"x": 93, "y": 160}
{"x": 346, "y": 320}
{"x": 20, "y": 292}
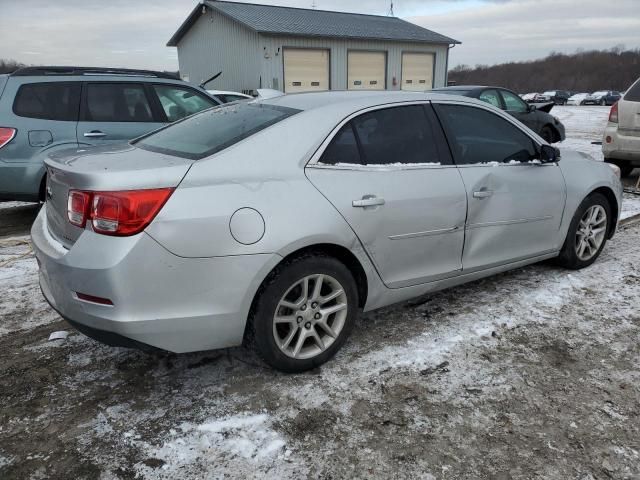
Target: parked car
{"x": 621, "y": 139}
{"x": 228, "y": 97}
{"x": 559, "y": 97}
{"x": 577, "y": 99}
{"x": 602, "y": 97}
{"x": 45, "y": 109}
{"x": 536, "y": 117}
{"x": 393, "y": 195}
{"x": 529, "y": 97}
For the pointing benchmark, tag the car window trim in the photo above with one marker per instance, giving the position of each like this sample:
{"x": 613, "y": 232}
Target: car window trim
{"x": 502, "y": 114}
{"x": 84, "y": 104}
{"x": 315, "y": 160}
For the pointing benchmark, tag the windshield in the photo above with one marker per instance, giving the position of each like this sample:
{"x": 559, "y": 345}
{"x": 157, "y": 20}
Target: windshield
{"x": 213, "y": 130}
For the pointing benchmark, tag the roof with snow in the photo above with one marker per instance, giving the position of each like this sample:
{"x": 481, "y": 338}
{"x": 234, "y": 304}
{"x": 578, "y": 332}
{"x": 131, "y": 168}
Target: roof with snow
{"x": 268, "y": 19}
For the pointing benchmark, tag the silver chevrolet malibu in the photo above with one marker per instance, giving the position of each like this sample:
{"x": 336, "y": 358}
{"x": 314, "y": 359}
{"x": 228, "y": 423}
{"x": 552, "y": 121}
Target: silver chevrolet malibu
{"x": 277, "y": 222}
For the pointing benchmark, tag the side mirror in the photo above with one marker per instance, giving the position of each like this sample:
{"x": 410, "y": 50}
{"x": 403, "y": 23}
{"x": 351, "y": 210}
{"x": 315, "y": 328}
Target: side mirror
{"x": 532, "y": 108}
{"x": 549, "y": 154}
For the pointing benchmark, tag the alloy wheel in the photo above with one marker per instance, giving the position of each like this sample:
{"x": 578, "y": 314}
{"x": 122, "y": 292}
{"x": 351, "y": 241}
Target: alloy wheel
{"x": 591, "y": 232}
{"x": 310, "y": 316}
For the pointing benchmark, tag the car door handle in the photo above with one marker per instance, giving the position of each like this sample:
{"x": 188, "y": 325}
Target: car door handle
{"x": 368, "y": 201}
{"x": 482, "y": 194}
{"x": 95, "y": 134}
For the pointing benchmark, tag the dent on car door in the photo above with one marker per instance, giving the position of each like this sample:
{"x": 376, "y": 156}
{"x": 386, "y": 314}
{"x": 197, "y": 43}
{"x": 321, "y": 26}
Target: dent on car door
{"x": 390, "y": 175}
{"x": 115, "y": 112}
{"x": 515, "y": 203}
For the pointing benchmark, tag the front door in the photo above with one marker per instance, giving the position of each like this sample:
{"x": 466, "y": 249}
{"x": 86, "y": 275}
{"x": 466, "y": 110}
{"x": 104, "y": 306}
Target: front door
{"x": 515, "y": 202}
{"x": 390, "y": 175}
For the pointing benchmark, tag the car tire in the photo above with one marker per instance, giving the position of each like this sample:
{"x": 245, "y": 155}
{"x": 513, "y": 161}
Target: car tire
{"x": 548, "y": 134}
{"x": 306, "y": 336}
{"x": 585, "y": 240}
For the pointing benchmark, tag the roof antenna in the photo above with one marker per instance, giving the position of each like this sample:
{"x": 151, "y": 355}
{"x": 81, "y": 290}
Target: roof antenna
{"x": 390, "y": 13}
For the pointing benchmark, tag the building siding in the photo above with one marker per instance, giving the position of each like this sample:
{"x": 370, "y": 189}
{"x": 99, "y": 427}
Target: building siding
{"x": 272, "y": 66}
{"x": 216, "y": 43}
{"x": 250, "y": 60}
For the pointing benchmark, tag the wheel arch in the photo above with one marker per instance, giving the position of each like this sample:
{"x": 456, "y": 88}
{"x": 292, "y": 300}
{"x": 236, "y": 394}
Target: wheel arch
{"x": 613, "y": 204}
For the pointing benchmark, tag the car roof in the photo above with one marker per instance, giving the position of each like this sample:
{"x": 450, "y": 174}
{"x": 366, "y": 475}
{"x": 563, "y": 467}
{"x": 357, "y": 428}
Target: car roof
{"x": 465, "y": 87}
{"x": 354, "y": 100}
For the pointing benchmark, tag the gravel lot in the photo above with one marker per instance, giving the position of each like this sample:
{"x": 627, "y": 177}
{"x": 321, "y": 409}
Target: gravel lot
{"x": 528, "y": 374}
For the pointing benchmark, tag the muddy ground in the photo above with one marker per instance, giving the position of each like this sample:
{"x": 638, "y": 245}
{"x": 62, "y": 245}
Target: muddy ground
{"x": 529, "y": 374}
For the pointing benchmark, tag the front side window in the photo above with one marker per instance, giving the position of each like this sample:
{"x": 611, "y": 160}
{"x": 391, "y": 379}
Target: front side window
{"x": 513, "y": 103}
{"x": 117, "y": 102}
{"x": 214, "y": 130}
{"x": 396, "y": 135}
{"x": 178, "y": 102}
{"x": 48, "y": 101}
{"x": 492, "y": 97}
{"x": 478, "y": 136}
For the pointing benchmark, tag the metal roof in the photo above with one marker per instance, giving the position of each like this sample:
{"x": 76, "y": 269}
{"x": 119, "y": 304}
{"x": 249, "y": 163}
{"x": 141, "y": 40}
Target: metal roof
{"x": 269, "y": 19}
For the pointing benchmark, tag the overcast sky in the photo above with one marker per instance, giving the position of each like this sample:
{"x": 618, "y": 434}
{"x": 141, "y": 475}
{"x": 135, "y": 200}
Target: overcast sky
{"x": 133, "y": 33}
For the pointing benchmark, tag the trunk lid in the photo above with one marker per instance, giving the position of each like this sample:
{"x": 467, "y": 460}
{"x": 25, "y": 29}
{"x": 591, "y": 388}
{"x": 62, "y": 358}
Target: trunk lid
{"x": 108, "y": 168}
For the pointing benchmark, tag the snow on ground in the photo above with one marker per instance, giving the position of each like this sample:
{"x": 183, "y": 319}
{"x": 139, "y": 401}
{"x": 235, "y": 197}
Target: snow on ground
{"x": 583, "y": 125}
{"x": 21, "y": 304}
{"x": 630, "y": 206}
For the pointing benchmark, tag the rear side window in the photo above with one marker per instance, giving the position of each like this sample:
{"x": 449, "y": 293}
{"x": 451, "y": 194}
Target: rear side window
{"x": 178, "y": 102}
{"x": 478, "y": 136}
{"x": 633, "y": 94}
{"x": 214, "y": 130}
{"x": 491, "y": 97}
{"x": 117, "y": 102}
{"x": 396, "y": 135}
{"x": 48, "y": 101}
{"x": 343, "y": 148}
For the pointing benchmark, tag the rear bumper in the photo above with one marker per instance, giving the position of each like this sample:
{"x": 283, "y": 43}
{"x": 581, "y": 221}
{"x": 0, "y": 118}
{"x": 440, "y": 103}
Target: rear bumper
{"x": 159, "y": 299}
{"x": 620, "y": 147}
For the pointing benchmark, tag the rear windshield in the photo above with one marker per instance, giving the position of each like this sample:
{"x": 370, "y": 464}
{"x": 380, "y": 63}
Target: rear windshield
{"x": 633, "y": 94}
{"x": 213, "y": 130}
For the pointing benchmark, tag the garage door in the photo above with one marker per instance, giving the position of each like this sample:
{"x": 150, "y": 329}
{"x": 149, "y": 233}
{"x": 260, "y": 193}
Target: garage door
{"x": 367, "y": 70}
{"x": 417, "y": 71}
{"x": 306, "y": 70}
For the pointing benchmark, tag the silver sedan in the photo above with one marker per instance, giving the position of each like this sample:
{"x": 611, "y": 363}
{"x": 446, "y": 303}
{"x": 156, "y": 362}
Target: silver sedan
{"x": 276, "y": 222}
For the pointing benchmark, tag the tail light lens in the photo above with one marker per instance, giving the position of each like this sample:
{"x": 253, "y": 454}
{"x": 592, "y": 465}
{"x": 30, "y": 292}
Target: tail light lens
{"x": 613, "y": 114}
{"x": 117, "y": 213}
{"x": 6, "y": 135}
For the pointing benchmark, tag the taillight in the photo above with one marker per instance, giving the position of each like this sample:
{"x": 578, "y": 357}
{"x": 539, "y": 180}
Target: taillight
{"x": 613, "y": 114}
{"x": 6, "y": 135}
{"x": 118, "y": 213}
{"x": 78, "y": 207}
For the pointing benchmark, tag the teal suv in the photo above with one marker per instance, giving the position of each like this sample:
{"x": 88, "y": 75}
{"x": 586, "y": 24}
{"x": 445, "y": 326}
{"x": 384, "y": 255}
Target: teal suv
{"x": 46, "y": 109}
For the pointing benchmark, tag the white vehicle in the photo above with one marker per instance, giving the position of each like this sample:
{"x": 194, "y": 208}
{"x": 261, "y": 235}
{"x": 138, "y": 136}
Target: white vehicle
{"x": 621, "y": 141}
{"x": 577, "y": 99}
{"x": 228, "y": 97}
{"x": 529, "y": 97}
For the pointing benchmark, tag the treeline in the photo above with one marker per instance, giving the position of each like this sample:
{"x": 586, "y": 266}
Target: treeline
{"x": 583, "y": 71}
{"x": 8, "y": 66}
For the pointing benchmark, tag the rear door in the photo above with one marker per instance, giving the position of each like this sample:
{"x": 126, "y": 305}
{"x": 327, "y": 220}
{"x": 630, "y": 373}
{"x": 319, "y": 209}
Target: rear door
{"x": 390, "y": 175}
{"x": 629, "y": 112}
{"x": 115, "y": 112}
{"x": 515, "y": 203}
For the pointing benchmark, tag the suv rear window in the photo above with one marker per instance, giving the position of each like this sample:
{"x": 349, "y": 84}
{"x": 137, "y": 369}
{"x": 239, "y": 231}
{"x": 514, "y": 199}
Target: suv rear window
{"x": 48, "y": 101}
{"x": 213, "y": 130}
{"x": 633, "y": 94}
